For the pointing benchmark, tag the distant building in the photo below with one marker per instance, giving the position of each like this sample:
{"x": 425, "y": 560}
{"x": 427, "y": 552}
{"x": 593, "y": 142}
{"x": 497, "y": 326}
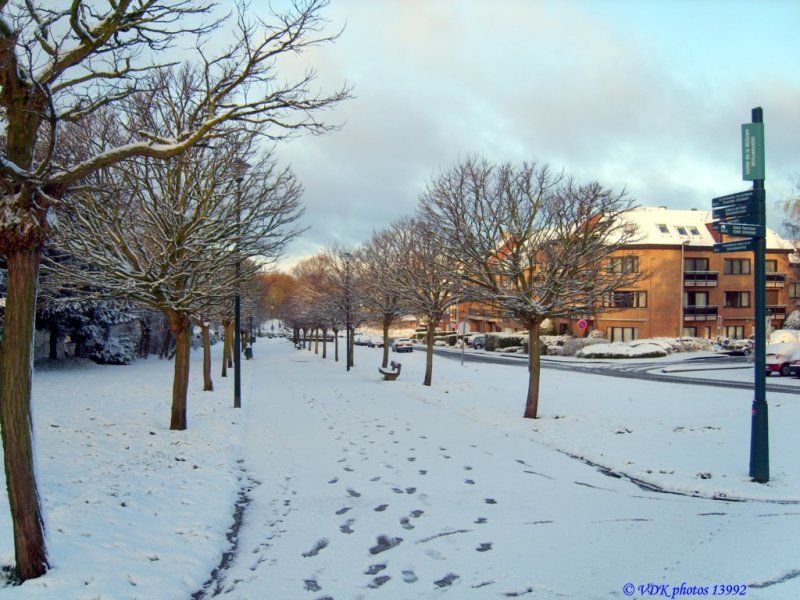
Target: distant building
{"x": 688, "y": 289}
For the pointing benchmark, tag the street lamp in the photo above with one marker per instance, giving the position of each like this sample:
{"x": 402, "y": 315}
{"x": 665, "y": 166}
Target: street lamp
{"x": 347, "y": 257}
{"x": 240, "y": 169}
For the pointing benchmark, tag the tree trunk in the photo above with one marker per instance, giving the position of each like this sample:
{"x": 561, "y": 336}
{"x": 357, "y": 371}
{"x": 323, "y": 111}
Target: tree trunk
{"x": 534, "y": 370}
{"x": 335, "y": 345}
{"x": 316, "y": 340}
{"x": 324, "y": 342}
{"x": 179, "y": 324}
{"x": 15, "y": 413}
{"x": 231, "y": 335}
{"x": 53, "y": 343}
{"x": 144, "y": 338}
{"x": 386, "y": 323}
{"x": 429, "y": 353}
{"x": 208, "y": 384}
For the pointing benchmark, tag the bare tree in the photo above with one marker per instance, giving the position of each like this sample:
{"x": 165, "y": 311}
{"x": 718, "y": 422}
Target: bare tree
{"x": 59, "y": 65}
{"x": 380, "y": 260}
{"x": 426, "y": 279}
{"x": 531, "y": 243}
{"x": 161, "y": 234}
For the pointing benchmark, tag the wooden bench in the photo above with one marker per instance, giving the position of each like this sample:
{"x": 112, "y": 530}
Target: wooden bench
{"x": 393, "y": 374}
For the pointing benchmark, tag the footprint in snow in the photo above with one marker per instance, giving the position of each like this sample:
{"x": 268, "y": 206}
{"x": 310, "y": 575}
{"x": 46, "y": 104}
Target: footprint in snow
{"x": 417, "y": 513}
{"x": 323, "y": 543}
{"x": 311, "y": 585}
{"x": 405, "y": 524}
{"x": 385, "y": 543}
{"x": 490, "y": 501}
{"x": 375, "y": 569}
{"x": 469, "y": 481}
{"x": 381, "y": 508}
{"x": 484, "y": 547}
{"x": 353, "y": 493}
{"x": 447, "y": 580}
{"x": 341, "y": 511}
{"x": 346, "y": 527}
{"x": 378, "y": 582}
{"x": 409, "y": 576}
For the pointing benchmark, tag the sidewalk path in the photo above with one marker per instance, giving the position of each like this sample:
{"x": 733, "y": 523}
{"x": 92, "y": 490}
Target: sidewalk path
{"x": 362, "y": 489}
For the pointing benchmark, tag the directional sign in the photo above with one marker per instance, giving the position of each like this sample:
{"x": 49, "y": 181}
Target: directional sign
{"x": 745, "y": 198}
{"x": 740, "y": 229}
{"x": 736, "y": 246}
{"x": 752, "y": 151}
{"x": 743, "y": 213}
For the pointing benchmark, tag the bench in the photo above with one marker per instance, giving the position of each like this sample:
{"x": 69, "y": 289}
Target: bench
{"x": 393, "y": 374}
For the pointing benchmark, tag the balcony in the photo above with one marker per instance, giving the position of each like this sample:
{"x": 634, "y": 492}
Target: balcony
{"x": 700, "y": 278}
{"x": 699, "y": 313}
{"x": 776, "y": 309}
{"x": 776, "y": 280}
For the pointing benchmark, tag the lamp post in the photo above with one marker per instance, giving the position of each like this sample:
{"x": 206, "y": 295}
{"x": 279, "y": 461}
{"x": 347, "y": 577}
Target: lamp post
{"x": 684, "y": 243}
{"x": 241, "y": 167}
{"x": 347, "y": 257}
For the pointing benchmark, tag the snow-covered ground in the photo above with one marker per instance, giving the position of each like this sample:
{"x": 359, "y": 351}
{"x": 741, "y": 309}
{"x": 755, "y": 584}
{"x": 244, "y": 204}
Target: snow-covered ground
{"x": 361, "y": 488}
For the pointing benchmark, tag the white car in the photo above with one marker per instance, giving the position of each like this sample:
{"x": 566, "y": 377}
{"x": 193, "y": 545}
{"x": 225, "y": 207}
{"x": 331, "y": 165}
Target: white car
{"x": 402, "y": 345}
{"x": 779, "y": 357}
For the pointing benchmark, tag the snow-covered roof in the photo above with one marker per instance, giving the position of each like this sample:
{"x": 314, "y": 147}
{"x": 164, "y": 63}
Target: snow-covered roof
{"x": 660, "y": 226}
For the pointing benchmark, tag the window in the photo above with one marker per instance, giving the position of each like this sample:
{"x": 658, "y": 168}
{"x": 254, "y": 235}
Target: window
{"x": 681, "y": 230}
{"x": 695, "y": 264}
{"x": 695, "y": 298}
{"x": 662, "y": 228}
{"x": 624, "y": 264}
{"x": 694, "y": 231}
{"x": 623, "y": 334}
{"x": 626, "y": 299}
{"x": 734, "y": 331}
{"x": 737, "y": 299}
{"x": 771, "y": 266}
{"x": 794, "y": 290}
{"x": 737, "y": 266}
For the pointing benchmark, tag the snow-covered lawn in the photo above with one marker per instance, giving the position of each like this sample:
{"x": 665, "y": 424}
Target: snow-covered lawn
{"x": 361, "y": 488}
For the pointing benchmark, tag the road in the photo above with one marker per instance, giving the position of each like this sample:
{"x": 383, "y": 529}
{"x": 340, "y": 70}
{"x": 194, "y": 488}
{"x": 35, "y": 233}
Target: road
{"x": 678, "y": 371}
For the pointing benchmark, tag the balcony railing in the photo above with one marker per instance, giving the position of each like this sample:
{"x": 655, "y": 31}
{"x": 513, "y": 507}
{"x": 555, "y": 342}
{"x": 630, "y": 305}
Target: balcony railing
{"x": 700, "y": 278}
{"x": 776, "y": 280}
{"x": 699, "y": 313}
{"x": 776, "y": 309}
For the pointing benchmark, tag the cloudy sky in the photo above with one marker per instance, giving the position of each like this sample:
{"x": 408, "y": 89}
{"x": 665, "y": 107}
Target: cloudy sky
{"x": 646, "y": 95}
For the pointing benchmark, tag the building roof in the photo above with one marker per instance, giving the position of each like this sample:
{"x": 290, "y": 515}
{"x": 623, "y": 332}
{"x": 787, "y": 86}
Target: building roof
{"x": 660, "y": 226}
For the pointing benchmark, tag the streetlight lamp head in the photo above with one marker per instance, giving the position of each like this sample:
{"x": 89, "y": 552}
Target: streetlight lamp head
{"x": 347, "y": 257}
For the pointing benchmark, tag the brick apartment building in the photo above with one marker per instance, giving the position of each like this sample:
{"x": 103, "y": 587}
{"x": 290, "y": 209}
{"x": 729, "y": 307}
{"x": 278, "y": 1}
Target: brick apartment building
{"x": 688, "y": 289}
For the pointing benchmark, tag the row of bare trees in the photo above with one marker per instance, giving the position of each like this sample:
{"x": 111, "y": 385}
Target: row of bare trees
{"x": 527, "y": 242}
{"x": 140, "y": 158}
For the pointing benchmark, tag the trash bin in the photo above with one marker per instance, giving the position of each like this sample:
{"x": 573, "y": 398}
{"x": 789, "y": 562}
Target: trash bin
{"x": 248, "y": 352}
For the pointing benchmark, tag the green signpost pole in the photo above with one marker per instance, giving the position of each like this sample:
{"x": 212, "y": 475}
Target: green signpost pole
{"x": 753, "y": 169}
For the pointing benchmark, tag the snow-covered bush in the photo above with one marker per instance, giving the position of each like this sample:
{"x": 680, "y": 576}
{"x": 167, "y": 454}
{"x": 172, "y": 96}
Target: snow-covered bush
{"x": 792, "y": 321}
{"x": 597, "y": 334}
{"x": 105, "y": 348}
{"x": 622, "y": 350}
{"x": 573, "y": 345}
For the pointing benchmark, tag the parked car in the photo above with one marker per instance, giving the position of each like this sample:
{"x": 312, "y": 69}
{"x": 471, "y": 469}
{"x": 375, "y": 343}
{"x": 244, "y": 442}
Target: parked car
{"x": 402, "y": 345}
{"x": 779, "y": 357}
{"x": 375, "y": 342}
{"x": 477, "y": 342}
{"x": 794, "y": 364}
